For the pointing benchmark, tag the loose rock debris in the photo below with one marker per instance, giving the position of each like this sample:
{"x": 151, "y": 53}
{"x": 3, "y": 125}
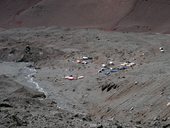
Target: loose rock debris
{"x": 122, "y": 90}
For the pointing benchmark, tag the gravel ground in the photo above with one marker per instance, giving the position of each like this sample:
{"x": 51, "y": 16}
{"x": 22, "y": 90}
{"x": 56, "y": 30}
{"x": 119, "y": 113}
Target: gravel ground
{"x": 40, "y": 58}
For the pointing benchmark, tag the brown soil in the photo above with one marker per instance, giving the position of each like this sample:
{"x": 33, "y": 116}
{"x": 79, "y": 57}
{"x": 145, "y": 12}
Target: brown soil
{"x": 119, "y": 15}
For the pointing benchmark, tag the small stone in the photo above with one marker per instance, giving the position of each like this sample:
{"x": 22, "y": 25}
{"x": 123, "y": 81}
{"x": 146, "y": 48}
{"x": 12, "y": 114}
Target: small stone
{"x": 165, "y": 119}
{"x": 168, "y": 104}
{"x": 136, "y": 82}
{"x": 132, "y": 108}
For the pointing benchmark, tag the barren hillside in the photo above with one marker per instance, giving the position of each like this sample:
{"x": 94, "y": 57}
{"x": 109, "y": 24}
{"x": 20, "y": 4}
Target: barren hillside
{"x": 124, "y": 15}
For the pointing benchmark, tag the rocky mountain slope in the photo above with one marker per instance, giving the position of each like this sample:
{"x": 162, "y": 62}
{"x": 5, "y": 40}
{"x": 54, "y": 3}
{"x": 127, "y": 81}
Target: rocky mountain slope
{"x": 122, "y": 15}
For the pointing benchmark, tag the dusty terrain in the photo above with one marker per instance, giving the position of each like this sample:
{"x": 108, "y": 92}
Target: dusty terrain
{"x": 119, "y": 15}
{"x": 40, "y": 58}
{"x": 71, "y": 76}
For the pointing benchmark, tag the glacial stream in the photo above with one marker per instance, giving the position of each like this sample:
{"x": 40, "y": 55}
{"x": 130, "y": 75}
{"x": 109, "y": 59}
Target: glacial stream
{"x": 49, "y": 90}
{"x": 30, "y": 79}
{"x": 27, "y": 76}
